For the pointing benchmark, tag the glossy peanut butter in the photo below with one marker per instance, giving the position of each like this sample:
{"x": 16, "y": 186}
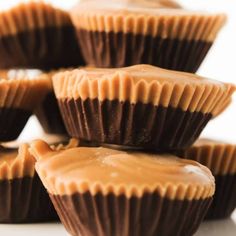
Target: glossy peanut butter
{"x": 146, "y": 84}
{"x": 105, "y": 170}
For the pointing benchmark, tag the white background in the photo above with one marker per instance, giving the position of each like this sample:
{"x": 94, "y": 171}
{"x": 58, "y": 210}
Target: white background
{"x": 220, "y": 64}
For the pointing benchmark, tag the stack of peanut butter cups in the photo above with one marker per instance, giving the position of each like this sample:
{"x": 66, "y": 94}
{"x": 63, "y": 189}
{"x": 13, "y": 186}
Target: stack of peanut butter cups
{"x": 135, "y": 165}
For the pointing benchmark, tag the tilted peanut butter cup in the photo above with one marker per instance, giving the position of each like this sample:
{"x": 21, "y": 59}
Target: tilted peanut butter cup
{"x": 120, "y": 33}
{"x": 35, "y": 34}
{"x": 23, "y": 198}
{"x": 140, "y": 106}
{"x": 100, "y": 191}
{"x": 18, "y": 98}
{"x": 220, "y": 158}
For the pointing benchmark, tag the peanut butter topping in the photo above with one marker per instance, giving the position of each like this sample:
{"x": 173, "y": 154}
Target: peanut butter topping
{"x": 164, "y": 19}
{"x": 105, "y": 170}
{"x": 146, "y": 84}
{"x": 23, "y": 92}
{"x": 16, "y": 163}
{"x": 219, "y": 157}
{"x": 31, "y": 15}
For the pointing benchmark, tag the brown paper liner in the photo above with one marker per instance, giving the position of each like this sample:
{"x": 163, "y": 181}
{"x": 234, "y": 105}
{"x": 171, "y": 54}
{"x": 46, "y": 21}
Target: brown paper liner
{"x": 107, "y": 50}
{"x": 220, "y": 158}
{"x": 25, "y": 200}
{"x": 224, "y": 200}
{"x": 12, "y": 121}
{"x": 111, "y": 215}
{"x": 18, "y": 98}
{"x": 139, "y": 125}
{"x": 49, "y": 116}
{"x": 37, "y": 35}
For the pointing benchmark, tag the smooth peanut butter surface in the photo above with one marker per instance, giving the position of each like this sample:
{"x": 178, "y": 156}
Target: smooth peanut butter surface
{"x": 16, "y": 163}
{"x": 105, "y": 170}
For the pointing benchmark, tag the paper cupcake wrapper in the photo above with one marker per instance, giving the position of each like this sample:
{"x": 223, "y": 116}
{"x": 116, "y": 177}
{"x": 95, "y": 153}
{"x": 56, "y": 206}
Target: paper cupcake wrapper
{"x": 187, "y": 92}
{"x": 101, "y": 49}
{"x": 25, "y": 200}
{"x": 116, "y": 41}
{"x": 85, "y": 214}
{"x": 139, "y": 125}
{"x": 219, "y": 157}
{"x": 18, "y": 97}
{"x": 224, "y": 200}
{"x": 37, "y": 35}
{"x": 49, "y": 116}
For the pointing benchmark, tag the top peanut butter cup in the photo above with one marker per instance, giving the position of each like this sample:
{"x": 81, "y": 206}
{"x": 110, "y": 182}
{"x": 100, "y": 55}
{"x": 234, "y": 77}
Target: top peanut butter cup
{"x": 160, "y": 33}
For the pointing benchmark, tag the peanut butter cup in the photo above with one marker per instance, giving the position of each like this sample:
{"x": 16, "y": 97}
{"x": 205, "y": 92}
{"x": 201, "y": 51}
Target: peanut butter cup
{"x": 140, "y": 106}
{"x": 18, "y": 98}
{"x": 105, "y": 192}
{"x": 23, "y": 198}
{"x": 37, "y": 35}
{"x": 118, "y": 33}
{"x": 220, "y": 158}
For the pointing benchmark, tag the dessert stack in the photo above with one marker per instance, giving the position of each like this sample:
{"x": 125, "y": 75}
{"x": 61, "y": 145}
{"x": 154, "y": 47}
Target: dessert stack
{"x": 134, "y": 165}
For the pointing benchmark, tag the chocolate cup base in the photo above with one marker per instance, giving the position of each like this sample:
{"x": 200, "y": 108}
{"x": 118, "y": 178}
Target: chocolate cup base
{"x": 111, "y": 215}
{"x": 224, "y": 200}
{"x": 49, "y": 116}
{"x": 47, "y": 48}
{"x": 25, "y": 200}
{"x": 136, "y": 125}
{"x": 111, "y": 49}
{"x": 13, "y": 121}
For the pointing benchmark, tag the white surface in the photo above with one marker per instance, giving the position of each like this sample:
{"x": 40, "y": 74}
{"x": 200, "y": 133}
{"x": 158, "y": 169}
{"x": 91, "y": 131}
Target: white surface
{"x": 212, "y": 228}
{"x": 220, "y": 64}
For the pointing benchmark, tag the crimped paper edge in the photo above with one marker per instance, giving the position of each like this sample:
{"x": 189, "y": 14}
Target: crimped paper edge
{"x": 32, "y": 15}
{"x": 184, "y": 26}
{"x": 24, "y": 93}
{"x": 220, "y": 158}
{"x": 22, "y": 166}
{"x": 193, "y": 96}
{"x": 56, "y": 186}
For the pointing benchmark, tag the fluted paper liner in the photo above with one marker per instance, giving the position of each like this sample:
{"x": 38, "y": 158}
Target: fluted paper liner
{"x": 220, "y": 158}
{"x": 57, "y": 185}
{"x": 224, "y": 202}
{"x": 38, "y": 35}
{"x": 21, "y": 165}
{"x": 160, "y": 110}
{"x": 172, "y": 24}
{"x": 23, "y": 199}
{"x": 117, "y": 215}
{"x": 174, "y": 39}
{"x": 18, "y": 99}
{"x": 146, "y": 84}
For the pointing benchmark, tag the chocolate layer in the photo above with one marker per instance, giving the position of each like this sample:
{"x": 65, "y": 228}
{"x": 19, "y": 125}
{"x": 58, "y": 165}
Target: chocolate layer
{"x": 138, "y": 125}
{"x": 84, "y": 214}
{"x": 49, "y": 116}
{"x": 103, "y": 49}
{"x": 25, "y": 200}
{"x": 46, "y": 48}
{"x": 12, "y": 121}
{"x": 224, "y": 200}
